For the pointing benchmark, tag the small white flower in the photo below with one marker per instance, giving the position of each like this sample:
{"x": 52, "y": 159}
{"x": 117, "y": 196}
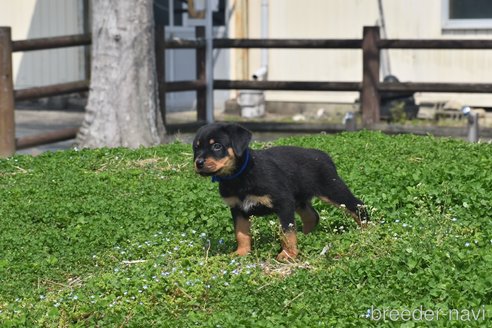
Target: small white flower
{"x": 42, "y": 297}
{"x": 454, "y": 219}
{"x": 75, "y": 298}
{"x": 467, "y": 244}
{"x": 397, "y": 221}
{"x": 56, "y": 304}
{"x": 203, "y": 235}
{"x": 404, "y": 225}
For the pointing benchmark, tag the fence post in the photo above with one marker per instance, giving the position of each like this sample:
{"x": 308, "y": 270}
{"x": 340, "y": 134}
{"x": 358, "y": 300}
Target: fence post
{"x": 370, "y": 99}
{"x": 7, "y": 123}
{"x": 201, "y": 94}
{"x": 160, "y": 66}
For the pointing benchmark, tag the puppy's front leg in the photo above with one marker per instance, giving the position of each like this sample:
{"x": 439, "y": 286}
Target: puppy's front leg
{"x": 288, "y": 236}
{"x": 242, "y": 227}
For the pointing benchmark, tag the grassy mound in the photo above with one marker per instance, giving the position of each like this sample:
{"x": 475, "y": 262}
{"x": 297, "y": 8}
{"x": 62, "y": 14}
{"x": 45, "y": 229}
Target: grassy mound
{"x": 117, "y": 237}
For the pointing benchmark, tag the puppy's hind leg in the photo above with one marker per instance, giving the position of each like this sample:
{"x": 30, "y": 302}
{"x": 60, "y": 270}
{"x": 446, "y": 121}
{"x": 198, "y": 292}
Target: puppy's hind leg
{"x": 288, "y": 236}
{"x": 309, "y": 216}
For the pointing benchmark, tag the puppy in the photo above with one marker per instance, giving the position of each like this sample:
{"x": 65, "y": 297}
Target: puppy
{"x": 279, "y": 180}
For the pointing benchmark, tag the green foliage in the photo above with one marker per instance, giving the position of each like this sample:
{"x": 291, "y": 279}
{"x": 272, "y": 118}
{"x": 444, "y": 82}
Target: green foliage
{"x": 117, "y": 237}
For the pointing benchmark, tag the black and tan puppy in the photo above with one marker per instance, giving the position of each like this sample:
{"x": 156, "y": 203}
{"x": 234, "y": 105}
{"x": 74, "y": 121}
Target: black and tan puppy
{"x": 279, "y": 180}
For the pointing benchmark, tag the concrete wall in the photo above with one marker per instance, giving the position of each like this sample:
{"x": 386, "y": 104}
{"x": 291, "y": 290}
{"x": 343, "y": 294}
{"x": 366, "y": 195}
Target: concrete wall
{"x": 416, "y": 19}
{"x": 44, "y": 18}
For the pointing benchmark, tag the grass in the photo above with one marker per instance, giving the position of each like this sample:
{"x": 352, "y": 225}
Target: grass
{"x": 133, "y": 238}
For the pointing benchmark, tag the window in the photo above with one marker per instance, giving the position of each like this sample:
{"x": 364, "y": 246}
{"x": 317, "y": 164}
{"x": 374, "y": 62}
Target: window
{"x": 179, "y": 12}
{"x": 467, "y": 14}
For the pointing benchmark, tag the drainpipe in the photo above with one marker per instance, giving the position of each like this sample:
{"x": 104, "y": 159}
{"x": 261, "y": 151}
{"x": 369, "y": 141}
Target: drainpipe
{"x": 262, "y": 72}
{"x": 252, "y": 102}
{"x": 209, "y": 62}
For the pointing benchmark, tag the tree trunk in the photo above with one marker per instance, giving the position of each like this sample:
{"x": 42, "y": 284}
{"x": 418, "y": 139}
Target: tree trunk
{"x": 122, "y": 108}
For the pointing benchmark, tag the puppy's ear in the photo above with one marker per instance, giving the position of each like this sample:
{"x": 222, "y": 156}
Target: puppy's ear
{"x": 240, "y": 138}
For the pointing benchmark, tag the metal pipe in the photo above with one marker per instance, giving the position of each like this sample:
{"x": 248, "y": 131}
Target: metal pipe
{"x": 262, "y": 72}
{"x": 209, "y": 62}
{"x": 349, "y": 121}
{"x": 264, "y": 32}
{"x": 472, "y": 124}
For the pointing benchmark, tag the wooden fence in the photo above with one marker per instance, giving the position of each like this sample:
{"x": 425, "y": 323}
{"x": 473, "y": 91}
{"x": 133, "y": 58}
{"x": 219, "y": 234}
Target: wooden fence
{"x": 370, "y": 87}
{"x": 8, "y": 142}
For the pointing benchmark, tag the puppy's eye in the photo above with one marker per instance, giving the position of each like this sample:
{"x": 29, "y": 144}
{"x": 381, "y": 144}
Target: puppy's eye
{"x": 217, "y": 147}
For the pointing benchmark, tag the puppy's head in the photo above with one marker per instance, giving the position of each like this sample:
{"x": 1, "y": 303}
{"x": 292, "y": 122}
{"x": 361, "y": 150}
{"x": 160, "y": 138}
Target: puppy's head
{"x": 218, "y": 146}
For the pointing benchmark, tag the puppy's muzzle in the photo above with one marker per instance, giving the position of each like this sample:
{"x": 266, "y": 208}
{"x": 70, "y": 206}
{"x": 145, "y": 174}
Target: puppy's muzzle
{"x": 199, "y": 163}
{"x": 202, "y": 168}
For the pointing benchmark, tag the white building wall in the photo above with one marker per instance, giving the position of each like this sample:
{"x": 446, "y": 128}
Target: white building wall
{"x": 344, "y": 19}
{"x": 44, "y": 18}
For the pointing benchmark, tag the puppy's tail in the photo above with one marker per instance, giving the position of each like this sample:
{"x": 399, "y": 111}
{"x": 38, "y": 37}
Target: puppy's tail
{"x": 361, "y": 214}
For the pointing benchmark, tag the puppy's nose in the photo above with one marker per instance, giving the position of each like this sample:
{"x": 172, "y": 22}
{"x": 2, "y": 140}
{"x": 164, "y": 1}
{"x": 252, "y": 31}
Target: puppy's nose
{"x": 200, "y": 162}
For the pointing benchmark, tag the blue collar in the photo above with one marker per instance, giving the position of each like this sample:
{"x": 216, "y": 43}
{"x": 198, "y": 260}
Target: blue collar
{"x": 235, "y": 175}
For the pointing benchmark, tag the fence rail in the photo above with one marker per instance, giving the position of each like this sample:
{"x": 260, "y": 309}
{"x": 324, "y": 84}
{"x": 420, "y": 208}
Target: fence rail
{"x": 52, "y": 43}
{"x": 370, "y": 87}
{"x": 8, "y": 95}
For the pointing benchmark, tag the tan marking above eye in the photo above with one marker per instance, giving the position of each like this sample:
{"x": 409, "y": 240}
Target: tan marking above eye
{"x": 198, "y": 143}
{"x": 212, "y": 141}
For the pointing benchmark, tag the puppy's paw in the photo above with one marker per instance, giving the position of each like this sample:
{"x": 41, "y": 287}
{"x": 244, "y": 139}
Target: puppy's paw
{"x": 242, "y": 251}
{"x": 287, "y": 255}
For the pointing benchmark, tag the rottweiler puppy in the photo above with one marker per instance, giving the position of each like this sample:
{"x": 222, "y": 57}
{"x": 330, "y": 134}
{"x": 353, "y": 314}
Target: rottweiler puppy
{"x": 278, "y": 180}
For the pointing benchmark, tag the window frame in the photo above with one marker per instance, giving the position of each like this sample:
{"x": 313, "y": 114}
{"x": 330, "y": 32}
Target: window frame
{"x": 462, "y": 24}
